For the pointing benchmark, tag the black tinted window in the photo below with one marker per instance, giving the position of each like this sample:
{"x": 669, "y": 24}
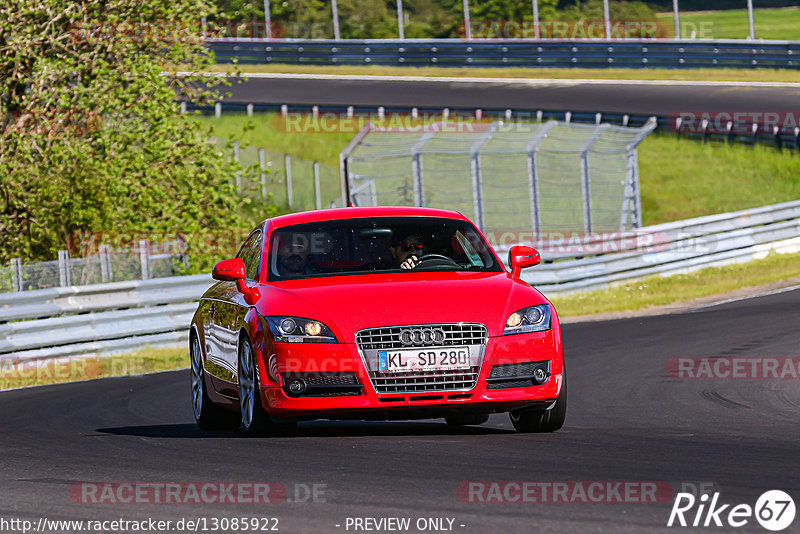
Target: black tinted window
{"x": 359, "y": 246}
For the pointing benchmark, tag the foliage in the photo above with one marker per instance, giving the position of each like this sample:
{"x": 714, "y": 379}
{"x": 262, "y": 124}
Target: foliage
{"x": 92, "y": 141}
{"x": 362, "y": 19}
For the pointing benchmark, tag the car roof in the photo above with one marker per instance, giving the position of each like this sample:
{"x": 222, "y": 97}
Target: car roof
{"x": 360, "y": 213}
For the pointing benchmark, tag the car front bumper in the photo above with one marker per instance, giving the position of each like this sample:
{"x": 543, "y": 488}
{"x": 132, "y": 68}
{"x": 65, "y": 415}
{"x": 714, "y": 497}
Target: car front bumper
{"x": 296, "y": 359}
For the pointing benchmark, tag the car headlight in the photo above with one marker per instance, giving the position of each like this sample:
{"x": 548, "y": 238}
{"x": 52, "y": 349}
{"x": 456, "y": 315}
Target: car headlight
{"x": 299, "y": 330}
{"x": 533, "y": 319}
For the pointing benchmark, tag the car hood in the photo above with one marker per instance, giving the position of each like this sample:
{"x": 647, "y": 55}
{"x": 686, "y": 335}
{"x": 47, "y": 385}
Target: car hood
{"x": 348, "y": 304}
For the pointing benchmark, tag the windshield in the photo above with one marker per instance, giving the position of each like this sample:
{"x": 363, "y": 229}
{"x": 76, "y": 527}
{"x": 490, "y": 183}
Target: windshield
{"x": 362, "y": 246}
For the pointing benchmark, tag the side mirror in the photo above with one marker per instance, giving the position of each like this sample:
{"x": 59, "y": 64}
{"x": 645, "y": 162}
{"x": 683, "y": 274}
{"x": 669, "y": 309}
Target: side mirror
{"x": 229, "y": 270}
{"x": 520, "y": 257}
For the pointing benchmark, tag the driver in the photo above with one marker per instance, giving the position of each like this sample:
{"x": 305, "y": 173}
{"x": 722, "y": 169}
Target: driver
{"x": 406, "y": 252}
{"x": 293, "y": 259}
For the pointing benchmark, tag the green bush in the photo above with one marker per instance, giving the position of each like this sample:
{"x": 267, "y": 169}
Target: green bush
{"x": 92, "y": 138}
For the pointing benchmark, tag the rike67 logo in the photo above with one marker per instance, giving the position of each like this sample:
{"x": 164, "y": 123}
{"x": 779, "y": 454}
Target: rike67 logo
{"x": 774, "y": 510}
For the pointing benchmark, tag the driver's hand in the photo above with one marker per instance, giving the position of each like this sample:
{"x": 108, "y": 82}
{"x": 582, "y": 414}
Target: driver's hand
{"x": 410, "y": 263}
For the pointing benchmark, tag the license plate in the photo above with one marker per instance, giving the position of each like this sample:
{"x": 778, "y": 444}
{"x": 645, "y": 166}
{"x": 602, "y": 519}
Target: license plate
{"x": 423, "y": 359}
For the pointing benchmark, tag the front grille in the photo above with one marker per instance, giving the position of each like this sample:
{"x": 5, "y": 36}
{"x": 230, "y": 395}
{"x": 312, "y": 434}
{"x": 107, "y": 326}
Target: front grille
{"x": 371, "y": 340}
{"x": 515, "y": 375}
{"x": 389, "y": 337}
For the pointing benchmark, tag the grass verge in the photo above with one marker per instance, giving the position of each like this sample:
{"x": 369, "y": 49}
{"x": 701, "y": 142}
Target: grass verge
{"x": 659, "y": 291}
{"x": 721, "y": 74}
{"x": 778, "y": 23}
{"x": 14, "y": 374}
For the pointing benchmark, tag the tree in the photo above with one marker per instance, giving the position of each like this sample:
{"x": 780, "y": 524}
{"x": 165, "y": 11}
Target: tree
{"x": 92, "y": 141}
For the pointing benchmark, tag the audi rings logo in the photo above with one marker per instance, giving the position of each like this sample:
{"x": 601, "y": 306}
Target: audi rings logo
{"x": 421, "y": 336}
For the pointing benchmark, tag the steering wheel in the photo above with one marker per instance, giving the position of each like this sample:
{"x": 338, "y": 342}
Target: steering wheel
{"x": 426, "y": 257}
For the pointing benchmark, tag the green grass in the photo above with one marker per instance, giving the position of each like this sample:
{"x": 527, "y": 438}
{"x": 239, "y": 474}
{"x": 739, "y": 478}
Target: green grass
{"x": 780, "y": 23}
{"x": 20, "y": 374}
{"x": 680, "y": 178}
{"x": 743, "y": 75}
{"x": 658, "y": 290}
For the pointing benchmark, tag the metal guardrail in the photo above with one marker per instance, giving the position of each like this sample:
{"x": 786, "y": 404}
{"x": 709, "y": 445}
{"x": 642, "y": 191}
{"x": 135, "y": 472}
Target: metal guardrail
{"x": 98, "y": 319}
{"x": 512, "y": 53}
{"x": 666, "y": 249}
{"x": 123, "y": 316}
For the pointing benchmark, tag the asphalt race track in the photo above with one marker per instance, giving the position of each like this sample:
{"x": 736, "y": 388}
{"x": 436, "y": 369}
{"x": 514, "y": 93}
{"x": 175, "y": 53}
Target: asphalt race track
{"x": 659, "y": 98}
{"x": 627, "y": 421}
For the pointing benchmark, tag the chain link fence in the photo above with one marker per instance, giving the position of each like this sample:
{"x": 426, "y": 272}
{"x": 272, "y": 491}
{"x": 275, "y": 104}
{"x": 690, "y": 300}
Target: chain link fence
{"x": 291, "y": 183}
{"x": 106, "y": 266}
{"x": 520, "y": 178}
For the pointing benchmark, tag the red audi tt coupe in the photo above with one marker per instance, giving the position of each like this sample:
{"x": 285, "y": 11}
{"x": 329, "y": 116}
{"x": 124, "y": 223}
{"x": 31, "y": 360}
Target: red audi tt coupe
{"x": 374, "y": 313}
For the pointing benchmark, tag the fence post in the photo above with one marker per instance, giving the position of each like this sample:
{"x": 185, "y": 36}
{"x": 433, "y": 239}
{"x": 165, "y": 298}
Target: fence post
{"x": 218, "y": 109}
{"x": 477, "y": 180}
{"x": 467, "y": 24}
{"x": 677, "y": 19}
{"x": 586, "y": 180}
{"x": 268, "y": 19}
{"x": 416, "y": 165}
{"x": 63, "y": 268}
{"x": 335, "y": 15}
{"x": 105, "y": 263}
{"x": 144, "y": 256}
{"x": 238, "y": 173}
{"x": 533, "y": 179}
{"x": 400, "y": 29}
{"x": 16, "y": 272}
{"x": 633, "y": 162}
{"x": 287, "y": 162}
{"x": 317, "y": 195}
{"x": 262, "y": 163}
{"x": 249, "y": 110}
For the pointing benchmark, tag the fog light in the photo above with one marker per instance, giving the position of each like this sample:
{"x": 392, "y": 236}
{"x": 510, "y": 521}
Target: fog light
{"x": 539, "y": 375}
{"x": 297, "y": 386}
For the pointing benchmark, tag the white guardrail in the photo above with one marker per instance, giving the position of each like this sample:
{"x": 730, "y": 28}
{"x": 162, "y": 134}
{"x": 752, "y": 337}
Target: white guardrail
{"x": 103, "y": 319}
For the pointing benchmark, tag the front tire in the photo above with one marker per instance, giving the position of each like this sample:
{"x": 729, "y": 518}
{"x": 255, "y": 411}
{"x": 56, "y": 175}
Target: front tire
{"x": 255, "y": 420}
{"x": 531, "y": 420}
{"x": 208, "y": 416}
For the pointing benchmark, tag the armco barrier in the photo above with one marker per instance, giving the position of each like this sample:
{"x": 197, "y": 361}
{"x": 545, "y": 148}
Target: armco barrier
{"x": 124, "y": 316}
{"x": 512, "y": 53}
{"x": 98, "y": 319}
{"x": 669, "y": 248}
